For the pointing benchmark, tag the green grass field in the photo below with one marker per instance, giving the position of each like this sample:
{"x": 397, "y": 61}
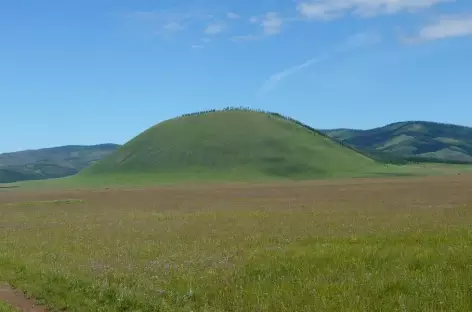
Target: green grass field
{"x": 262, "y": 215}
{"x": 358, "y": 245}
{"x": 6, "y": 308}
{"x": 212, "y": 177}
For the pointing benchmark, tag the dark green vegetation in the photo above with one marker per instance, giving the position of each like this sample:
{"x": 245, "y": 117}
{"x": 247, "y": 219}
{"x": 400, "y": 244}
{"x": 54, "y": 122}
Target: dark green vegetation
{"x": 411, "y": 141}
{"x": 233, "y": 144}
{"x": 50, "y": 162}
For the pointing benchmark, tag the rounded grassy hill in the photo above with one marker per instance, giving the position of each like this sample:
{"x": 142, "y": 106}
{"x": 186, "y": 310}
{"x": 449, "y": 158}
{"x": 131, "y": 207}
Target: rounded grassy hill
{"x": 232, "y": 144}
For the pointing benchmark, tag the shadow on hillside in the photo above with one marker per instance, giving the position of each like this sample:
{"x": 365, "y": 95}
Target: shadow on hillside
{"x": 8, "y": 186}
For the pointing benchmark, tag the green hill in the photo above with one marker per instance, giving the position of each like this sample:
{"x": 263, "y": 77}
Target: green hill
{"x": 49, "y": 163}
{"x": 418, "y": 140}
{"x": 232, "y": 144}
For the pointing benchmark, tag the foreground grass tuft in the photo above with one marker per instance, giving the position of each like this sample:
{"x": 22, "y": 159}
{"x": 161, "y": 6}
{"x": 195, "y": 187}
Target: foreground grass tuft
{"x": 6, "y": 308}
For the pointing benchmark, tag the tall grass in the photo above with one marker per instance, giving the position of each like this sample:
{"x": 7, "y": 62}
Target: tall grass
{"x": 6, "y": 308}
{"x": 300, "y": 247}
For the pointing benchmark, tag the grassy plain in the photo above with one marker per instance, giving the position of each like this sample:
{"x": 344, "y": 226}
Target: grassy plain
{"x": 6, "y": 308}
{"x": 212, "y": 177}
{"x": 400, "y": 244}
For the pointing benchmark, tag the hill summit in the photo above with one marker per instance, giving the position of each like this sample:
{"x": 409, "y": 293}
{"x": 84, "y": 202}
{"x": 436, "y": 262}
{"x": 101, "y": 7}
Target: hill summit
{"x": 233, "y": 143}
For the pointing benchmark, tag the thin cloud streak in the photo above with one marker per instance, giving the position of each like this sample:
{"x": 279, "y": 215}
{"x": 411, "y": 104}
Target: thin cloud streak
{"x": 165, "y": 22}
{"x": 232, "y": 15}
{"x": 173, "y": 26}
{"x": 351, "y": 43}
{"x": 214, "y": 29}
{"x": 330, "y": 9}
{"x": 245, "y": 38}
{"x": 447, "y": 27}
{"x": 273, "y": 80}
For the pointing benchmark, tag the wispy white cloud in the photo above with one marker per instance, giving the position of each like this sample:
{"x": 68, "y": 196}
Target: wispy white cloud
{"x": 353, "y": 42}
{"x": 203, "y": 43}
{"x": 445, "y": 27}
{"x": 328, "y": 9}
{"x": 245, "y": 38}
{"x": 173, "y": 26}
{"x": 271, "y": 23}
{"x": 253, "y": 19}
{"x": 360, "y": 39}
{"x": 165, "y": 22}
{"x": 232, "y": 15}
{"x": 214, "y": 29}
{"x": 273, "y": 80}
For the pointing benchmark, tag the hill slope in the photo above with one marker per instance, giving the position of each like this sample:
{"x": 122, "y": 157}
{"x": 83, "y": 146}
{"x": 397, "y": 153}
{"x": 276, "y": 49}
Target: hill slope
{"x": 418, "y": 139}
{"x": 232, "y": 144}
{"x": 48, "y": 163}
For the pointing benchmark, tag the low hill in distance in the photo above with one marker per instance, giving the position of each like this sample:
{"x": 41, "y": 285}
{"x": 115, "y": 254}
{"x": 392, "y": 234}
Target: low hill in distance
{"x": 232, "y": 144}
{"x": 416, "y": 140}
{"x": 49, "y": 163}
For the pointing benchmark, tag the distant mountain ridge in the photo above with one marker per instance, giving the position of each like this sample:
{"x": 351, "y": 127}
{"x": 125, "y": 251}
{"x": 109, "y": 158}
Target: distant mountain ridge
{"x": 46, "y": 163}
{"x": 421, "y": 140}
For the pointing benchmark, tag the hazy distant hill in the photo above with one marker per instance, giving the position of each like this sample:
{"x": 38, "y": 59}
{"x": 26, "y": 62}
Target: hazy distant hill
{"x": 418, "y": 139}
{"x": 50, "y": 162}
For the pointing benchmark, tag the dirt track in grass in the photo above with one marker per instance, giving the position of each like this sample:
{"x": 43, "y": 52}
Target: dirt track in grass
{"x": 18, "y": 300}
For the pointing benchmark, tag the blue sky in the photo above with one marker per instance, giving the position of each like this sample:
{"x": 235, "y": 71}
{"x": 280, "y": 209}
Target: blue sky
{"x": 94, "y": 71}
